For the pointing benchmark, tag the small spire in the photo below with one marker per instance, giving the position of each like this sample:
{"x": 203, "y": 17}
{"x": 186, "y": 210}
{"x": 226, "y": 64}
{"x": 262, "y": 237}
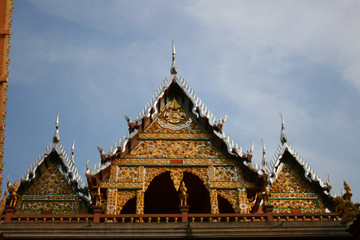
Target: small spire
{"x": 173, "y": 69}
{"x": 283, "y": 138}
{"x": 223, "y": 119}
{"x": 56, "y": 138}
{"x": 72, "y": 152}
{"x": 264, "y": 162}
{"x": 100, "y": 149}
{"x": 88, "y": 168}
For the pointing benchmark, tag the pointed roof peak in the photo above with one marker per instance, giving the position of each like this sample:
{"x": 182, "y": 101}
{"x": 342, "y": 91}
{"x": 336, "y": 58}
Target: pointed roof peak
{"x": 56, "y": 138}
{"x": 173, "y": 69}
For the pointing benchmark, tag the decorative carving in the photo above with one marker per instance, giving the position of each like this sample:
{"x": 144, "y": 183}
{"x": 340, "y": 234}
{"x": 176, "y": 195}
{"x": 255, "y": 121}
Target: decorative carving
{"x": 3, "y": 200}
{"x": 289, "y": 182}
{"x": 111, "y": 201}
{"x": 166, "y": 161}
{"x": 177, "y": 136}
{"x": 51, "y": 182}
{"x": 192, "y": 129}
{"x": 346, "y": 209}
{"x": 347, "y": 196}
{"x": 48, "y": 205}
{"x": 124, "y": 174}
{"x": 245, "y": 205}
{"x": 232, "y": 184}
{"x": 266, "y": 195}
{"x": 231, "y": 196}
{"x": 58, "y": 204}
{"x": 151, "y": 173}
{"x": 290, "y": 191}
{"x": 284, "y": 205}
{"x": 176, "y": 176}
{"x": 214, "y": 201}
{"x": 175, "y": 115}
{"x": 13, "y": 194}
{"x": 98, "y": 197}
{"x": 123, "y": 197}
{"x": 183, "y": 195}
{"x": 175, "y": 149}
{"x": 139, "y": 202}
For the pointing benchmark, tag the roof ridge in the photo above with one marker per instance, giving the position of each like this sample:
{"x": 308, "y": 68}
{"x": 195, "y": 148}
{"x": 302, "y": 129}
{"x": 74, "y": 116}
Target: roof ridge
{"x": 71, "y": 168}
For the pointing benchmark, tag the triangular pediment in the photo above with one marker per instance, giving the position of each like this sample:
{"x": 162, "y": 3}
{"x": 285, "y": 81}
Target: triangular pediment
{"x": 175, "y": 134}
{"x": 292, "y": 193}
{"x": 51, "y": 182}
{"x": 175, "y": 119}
{"x": 288, "y": 181}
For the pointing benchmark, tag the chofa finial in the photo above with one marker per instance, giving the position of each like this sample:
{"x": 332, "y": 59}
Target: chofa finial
{"x": 173, "y": 69}
{"x": 283, "y": 138}
{"x": 264, "y": 161}
{"x": 56, "y": 138}
{"x": 73, "y": 152}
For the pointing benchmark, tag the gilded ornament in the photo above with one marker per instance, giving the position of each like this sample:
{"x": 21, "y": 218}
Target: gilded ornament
{"x": 175, "y": 149}
{"x": 231, "y": 196}
{"x": 183, "y": 195}
{"x": 290, "y": 191}
{"x": 140, "y": 202}
{"x": 98, "y": 197}
{"x": 214, "y": 201}
{"x": 176, "y": 176}
{"x": 123, "y": 197}
{"x": 111, "y": 204}
{"x": 346, "y": 209}
{"x": 13, "y": 194}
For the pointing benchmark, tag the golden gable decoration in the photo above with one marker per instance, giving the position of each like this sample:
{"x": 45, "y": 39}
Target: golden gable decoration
{"x": 50, "y": 194}
{"x": 290, "y": 193}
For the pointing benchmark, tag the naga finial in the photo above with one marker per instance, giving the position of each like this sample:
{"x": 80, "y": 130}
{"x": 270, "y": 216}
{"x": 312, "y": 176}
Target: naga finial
{"x": 56, "y": 138}
{"x": 173, "y": 69}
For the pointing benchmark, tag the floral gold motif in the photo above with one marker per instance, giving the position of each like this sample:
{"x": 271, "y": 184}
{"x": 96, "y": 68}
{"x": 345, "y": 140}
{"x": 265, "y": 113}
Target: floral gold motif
{"x": 175, "y": 149}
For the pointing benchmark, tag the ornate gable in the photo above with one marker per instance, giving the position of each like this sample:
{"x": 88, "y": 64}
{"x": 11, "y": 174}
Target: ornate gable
{"x": 291, "y": 193}
{"x": 174, "y": 136}
{"x": 51, "y": 193}
{"x": 51, "y": 185}
{"x": 52, "y": 181}
{"x": 295, "y": 187}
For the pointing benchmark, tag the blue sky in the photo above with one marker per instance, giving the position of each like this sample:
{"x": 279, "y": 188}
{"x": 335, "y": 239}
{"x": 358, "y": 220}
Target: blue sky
{"x": 94, "y": 60}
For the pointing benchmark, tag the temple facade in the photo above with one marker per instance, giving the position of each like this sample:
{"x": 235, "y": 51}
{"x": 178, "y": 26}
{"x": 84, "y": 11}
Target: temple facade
{"x": 174, "y": 174}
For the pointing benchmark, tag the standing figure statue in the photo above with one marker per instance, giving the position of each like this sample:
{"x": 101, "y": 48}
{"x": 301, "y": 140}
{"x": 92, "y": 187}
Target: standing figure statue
{"x": 13, "y": 194}
{"x": 183, "y": 195}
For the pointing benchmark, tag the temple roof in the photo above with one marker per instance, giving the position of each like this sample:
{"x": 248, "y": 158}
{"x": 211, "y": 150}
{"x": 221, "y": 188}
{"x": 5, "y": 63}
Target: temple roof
{"x": 70, "y": 171}
{"x": 199, "y": 110}
{"x": 276, "y": 165}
